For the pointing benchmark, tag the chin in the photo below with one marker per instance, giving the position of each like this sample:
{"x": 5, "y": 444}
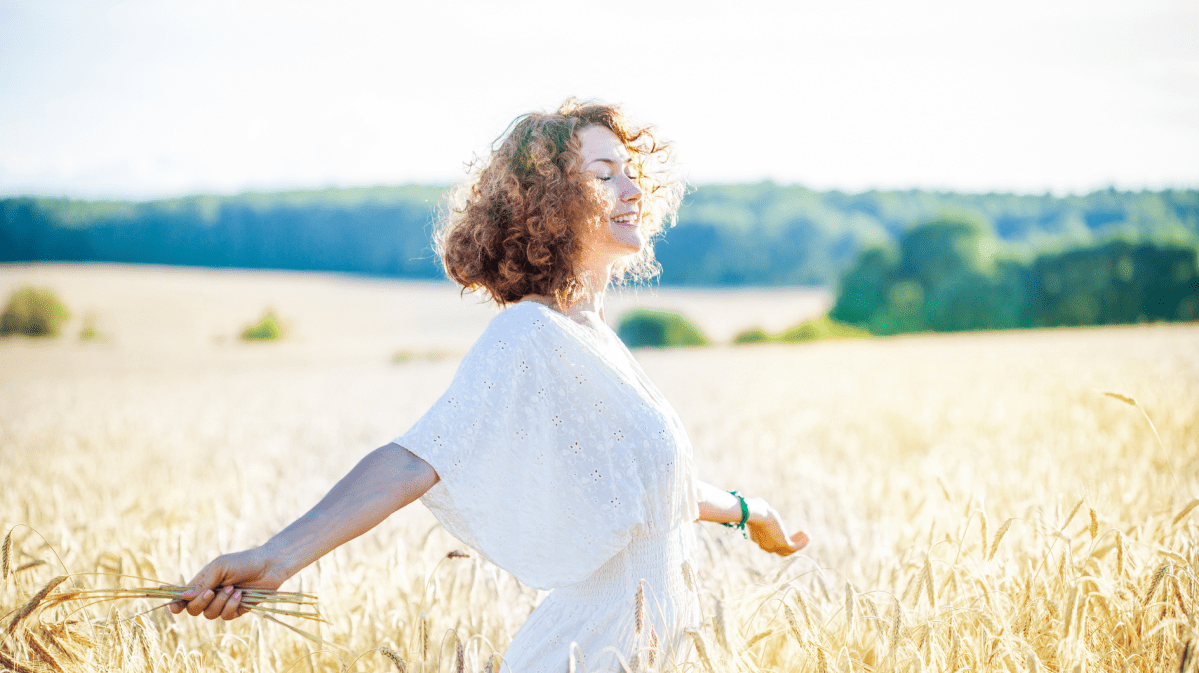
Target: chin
{"x": 629, "y": 249}
{"x": 615, "y": 242}
{"x": 629, "y": 242}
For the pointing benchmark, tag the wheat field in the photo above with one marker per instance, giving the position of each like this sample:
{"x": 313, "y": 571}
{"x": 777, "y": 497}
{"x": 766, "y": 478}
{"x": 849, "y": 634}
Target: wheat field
{"x": 1019, "y": 501}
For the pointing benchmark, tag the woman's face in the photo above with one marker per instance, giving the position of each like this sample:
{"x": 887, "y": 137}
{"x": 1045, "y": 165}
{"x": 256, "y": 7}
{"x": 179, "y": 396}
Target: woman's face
{"x": 605, "y": 157}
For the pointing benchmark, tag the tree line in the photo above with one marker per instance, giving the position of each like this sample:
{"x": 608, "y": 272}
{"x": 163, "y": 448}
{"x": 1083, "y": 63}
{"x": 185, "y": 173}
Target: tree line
{"x": 383, "y": 232}
{"x": 726, "y": 235}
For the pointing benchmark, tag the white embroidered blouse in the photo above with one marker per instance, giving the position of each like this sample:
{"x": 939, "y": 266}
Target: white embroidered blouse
{"x": 553, "y": 449}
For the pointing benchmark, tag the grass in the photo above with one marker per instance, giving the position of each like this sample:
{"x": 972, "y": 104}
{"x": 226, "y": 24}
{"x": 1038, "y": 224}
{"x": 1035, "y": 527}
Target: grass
{"x": 992, "y": 502}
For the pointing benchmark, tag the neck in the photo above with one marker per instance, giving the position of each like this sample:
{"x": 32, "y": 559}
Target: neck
{"x": 590, "y": 305}
{"x": 594, "y": 279}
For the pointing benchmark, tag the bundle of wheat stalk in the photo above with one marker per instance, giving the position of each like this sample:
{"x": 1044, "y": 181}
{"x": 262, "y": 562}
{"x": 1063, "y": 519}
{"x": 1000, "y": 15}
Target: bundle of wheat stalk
{"x": 39, "y": 644}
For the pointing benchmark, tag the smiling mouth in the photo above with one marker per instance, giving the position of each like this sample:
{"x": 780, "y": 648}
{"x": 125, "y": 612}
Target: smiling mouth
{"x": 628, "y": 220}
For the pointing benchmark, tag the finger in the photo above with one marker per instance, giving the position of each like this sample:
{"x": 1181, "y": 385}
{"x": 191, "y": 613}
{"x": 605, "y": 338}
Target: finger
{"x": 203, "y": 581}
{"x": 232, "y": 608}
{"x": 176, "y": 606}
{"x": 217, "y": 606}
{"x": 199, "y": 603}
{"x": 800, "y": 540}
{"x": 797, "y": 541}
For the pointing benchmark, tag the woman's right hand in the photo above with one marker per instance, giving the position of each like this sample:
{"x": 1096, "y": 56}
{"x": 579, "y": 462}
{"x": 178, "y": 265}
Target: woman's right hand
{"x": 216, "y": 591}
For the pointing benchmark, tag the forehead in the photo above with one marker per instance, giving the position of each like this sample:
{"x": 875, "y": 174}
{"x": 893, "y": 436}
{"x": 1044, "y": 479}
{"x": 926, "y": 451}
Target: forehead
{"x": 599, "y": 142}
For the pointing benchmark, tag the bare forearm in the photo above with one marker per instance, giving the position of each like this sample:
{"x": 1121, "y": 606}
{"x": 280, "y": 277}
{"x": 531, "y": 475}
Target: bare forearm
{"x": 764, "y": 524}
{"x": 385, "y": 480}
{"x": 382, "y": 482}
{"x": 720, "y": 506}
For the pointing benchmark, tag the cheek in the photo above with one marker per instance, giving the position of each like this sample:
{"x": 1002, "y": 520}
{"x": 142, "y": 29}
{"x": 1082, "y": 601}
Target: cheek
{"x": 600, "y": 198}
{"x": 610, "y": 195}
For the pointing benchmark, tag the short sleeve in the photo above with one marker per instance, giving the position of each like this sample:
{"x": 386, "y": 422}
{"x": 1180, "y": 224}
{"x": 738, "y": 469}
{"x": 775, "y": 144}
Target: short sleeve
{"x": 526, "y": 476}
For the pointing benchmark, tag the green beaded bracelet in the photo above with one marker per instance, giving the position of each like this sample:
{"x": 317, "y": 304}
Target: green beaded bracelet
{"x": 744, "y": 515}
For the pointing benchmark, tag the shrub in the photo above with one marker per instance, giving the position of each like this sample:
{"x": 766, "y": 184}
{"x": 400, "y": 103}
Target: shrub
{"x": 89, "y": 332}
{"x": 752, "y": 336}
{"x": 267, "y": 329}
{"x": 821, "y": 328}
{"x": 34, "y": 312}
{"x": 658, "y": 328}
{"x": 404, "y": 357}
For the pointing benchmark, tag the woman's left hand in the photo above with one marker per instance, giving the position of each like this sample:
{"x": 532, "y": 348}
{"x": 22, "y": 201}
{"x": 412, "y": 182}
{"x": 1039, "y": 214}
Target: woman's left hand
{"x": 766, "y": 527}
{"x": 764, "y": 523}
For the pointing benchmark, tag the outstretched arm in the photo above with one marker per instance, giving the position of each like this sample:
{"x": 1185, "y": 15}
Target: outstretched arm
{"x": 765, "y": 525}
{"x": 387, "y": 479}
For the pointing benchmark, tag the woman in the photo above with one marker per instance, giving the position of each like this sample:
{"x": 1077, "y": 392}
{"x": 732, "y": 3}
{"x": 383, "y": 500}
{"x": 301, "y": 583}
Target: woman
{"x": 552, "y": 454}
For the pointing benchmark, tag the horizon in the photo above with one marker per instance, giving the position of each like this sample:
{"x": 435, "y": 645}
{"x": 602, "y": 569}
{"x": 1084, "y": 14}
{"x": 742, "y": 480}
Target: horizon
{"x": 691, "y": 187}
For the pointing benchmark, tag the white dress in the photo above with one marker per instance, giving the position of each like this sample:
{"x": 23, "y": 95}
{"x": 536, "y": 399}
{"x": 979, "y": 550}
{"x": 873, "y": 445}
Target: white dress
{"x": 561, "y": 463}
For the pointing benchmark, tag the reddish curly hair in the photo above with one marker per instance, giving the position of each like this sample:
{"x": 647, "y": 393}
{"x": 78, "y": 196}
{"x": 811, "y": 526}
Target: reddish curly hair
{"x": 516, "y": 226}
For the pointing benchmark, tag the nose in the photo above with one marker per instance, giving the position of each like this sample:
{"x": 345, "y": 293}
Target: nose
{"x": 631, "y": 192}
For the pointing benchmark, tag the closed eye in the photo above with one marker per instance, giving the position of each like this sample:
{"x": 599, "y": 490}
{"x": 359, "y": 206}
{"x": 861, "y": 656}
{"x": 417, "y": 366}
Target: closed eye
{"x": 631, "y": 175}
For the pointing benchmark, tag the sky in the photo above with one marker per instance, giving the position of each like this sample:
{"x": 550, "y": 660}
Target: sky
{"x": 136, "y": 99}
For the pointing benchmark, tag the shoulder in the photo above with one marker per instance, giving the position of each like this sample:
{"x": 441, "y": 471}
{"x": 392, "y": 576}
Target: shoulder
{"x": 521, "y": 329}
{"x": 527, "y": 321}
{"x": 524, "y": 345}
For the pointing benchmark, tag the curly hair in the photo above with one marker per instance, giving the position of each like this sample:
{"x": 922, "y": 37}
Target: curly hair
{"x": 516, "y": 226}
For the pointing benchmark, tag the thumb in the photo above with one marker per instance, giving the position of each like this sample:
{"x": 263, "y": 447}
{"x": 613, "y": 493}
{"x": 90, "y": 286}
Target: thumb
{"x": 206, "y": 579}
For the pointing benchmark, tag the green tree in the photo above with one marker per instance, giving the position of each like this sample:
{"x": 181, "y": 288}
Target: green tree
{"x": 864, "y": 287}
{"x": 946, "y": 276}
{"x": 1118, "y": 282}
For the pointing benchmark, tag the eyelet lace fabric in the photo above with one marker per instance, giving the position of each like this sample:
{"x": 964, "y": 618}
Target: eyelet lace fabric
{"x": 561, "y": 463}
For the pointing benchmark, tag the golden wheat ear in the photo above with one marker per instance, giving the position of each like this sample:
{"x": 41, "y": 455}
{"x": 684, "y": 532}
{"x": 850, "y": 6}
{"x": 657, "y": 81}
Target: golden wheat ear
{"x": 1123, "y": 398}
{"x": 31, "y": 605}
{"x": 701, "y": 648}
{"x": 5, "y": 553}
{"x": 395, "y": 659}
{"x": 1185, "y": 511}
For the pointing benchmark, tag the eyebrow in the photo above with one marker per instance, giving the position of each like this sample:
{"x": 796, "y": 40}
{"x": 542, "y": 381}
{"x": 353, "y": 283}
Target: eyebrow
{"x": 611, "y": 162}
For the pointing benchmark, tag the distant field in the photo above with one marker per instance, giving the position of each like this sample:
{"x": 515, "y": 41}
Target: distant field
{"x": 187, "y": 311}
{"x": 976, "y": 501}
